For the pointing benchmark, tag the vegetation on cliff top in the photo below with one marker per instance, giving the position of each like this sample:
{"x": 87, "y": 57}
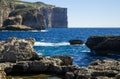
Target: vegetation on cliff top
{"x": 32, "y": 4}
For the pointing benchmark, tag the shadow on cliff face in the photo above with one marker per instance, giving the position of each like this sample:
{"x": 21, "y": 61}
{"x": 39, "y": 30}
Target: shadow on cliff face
{"x": 30, "y": 17}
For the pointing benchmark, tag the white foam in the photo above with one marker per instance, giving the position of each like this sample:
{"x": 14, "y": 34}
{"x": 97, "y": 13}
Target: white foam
{"x": 44, "y": 31}
{"x": 83, "y": 44}
{"x": 51, "y": 44}
{"x": 40, "y": 54}
{"x": 85, "y": 51}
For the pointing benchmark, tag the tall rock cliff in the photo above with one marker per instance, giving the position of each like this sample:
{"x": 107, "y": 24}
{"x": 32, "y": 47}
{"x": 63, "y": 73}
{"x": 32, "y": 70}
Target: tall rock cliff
{"x": 4, "y": 11}
{"x": 55, "y": 17}
{"x": 48, "y": 16}
{"x": 30, "y": 17}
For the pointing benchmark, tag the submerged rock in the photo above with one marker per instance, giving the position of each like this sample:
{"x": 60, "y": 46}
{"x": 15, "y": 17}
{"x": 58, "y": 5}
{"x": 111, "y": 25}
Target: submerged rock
{"x": 104, "y": 44}
{"x": 73, "y": 42}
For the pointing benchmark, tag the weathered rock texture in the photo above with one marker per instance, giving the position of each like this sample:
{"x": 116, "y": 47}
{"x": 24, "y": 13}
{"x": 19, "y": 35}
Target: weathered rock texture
{"x": 16, "y": 20}
{"x": 40, "y": 17}
{"x": 99, "y": 69}
{"x": 55, "y": 17}
{"x": 17, "y": 56}
{"x": 2, "y": 72}
{"x": 30, "y": 17}
{"x": 104, "y": 44}
{"x": 4, "y": 11}
{"x": 15, "y": 49}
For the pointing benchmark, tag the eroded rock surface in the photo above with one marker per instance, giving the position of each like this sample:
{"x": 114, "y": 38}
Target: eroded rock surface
{"x": 104, "y": 44}
{"x": 15, "y": 49}
{"x": 99, "y": 69}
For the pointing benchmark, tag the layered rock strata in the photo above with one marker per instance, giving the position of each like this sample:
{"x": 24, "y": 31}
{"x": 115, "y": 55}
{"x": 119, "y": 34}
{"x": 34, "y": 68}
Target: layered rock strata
{"x": 35, "y": 15}
{"x": 29, "y": 17}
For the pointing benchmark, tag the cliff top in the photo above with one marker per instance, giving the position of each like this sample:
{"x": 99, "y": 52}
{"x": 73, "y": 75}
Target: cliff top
{"x": 30, "y": 4}
{"x": 34, "y": 4}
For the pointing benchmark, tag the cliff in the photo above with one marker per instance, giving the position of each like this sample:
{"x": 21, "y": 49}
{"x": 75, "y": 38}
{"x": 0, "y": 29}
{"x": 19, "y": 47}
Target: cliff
{"x": 30, "y": 17}
{"x": 43, "y": 15}
{"x": 55, "y": 17}
{"x": 4, "y": 11}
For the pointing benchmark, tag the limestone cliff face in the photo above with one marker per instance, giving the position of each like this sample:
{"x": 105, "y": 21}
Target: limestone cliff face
{"x": 55, "y": 17}
{"x": 30, "y": 17}
{"x": 59, "y": 17}
{"x": 4, "y": 11}
{"x": 42, "y": 16}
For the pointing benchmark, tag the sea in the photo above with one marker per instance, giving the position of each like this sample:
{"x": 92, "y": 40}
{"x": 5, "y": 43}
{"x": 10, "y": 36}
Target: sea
{"x": 55, "y": 41}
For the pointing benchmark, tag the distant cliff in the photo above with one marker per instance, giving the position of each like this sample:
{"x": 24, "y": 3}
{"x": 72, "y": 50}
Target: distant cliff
{"x": 55, "y": 17}
{"x": 48, "y": 16}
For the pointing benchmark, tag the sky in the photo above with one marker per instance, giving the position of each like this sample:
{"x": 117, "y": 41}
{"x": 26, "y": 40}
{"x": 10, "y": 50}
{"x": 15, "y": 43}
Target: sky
{"x": 89, "y": 13}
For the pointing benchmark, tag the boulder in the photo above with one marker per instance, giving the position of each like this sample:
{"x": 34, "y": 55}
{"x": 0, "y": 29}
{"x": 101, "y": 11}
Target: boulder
{"x": 73, "y": 42}
{"x": 104, "y": 44}
{"x": 67, "y": 60}
{"x": 45, "y": 64}
{"x": 70, "y": 75}
{"x": 16, "y": 49}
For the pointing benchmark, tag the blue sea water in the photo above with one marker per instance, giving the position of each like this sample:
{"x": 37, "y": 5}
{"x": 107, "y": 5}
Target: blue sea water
{"x": 54, "y": 41}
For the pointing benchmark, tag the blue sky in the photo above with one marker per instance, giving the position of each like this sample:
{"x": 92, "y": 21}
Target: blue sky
{"x": 89, "y": 13}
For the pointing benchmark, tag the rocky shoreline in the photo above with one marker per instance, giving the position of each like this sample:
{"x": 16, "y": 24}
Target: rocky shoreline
{"x": 17, "y": 56}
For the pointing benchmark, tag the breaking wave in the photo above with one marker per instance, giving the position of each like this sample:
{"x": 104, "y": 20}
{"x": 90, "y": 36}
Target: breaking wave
{"x": 51, "y": 44}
